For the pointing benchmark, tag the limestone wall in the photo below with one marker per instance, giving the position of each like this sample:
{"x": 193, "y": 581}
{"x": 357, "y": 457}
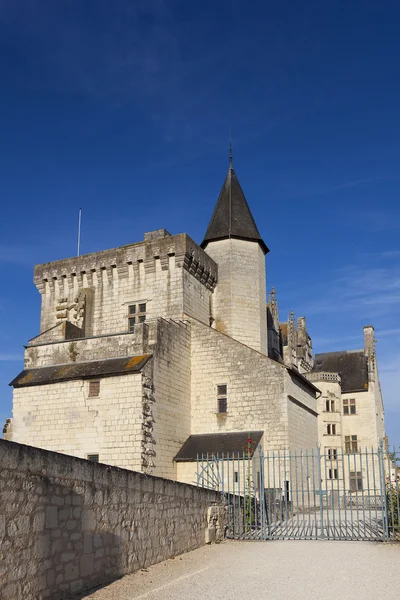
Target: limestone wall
{"x": 172, "y": 392}
{"x": 86, "y": 349}
{"x": 94, "y": 291}
{"x": 239, "y": 300}
{"x": 255, "y": 398}
{"x": 62, "y": 417}
{"x": 68, "y": 525}
{"x": 302, "y": 414}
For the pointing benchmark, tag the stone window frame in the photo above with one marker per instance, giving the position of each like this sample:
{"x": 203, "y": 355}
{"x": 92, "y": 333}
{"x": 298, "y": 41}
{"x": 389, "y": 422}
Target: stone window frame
{"x": 355, "y": 481}
{"x": 94, "y": 388}
{"x": 331, "y": 429}
{"x": 331, "y": 454}
{"x": 329, "y": 405}
{"x": 222, "y": 398}
{"x": 137, "y": 313}
{"x": 348, "y": 405}
{"x": 350, "y": 444}
{"x": 333, "y": 473}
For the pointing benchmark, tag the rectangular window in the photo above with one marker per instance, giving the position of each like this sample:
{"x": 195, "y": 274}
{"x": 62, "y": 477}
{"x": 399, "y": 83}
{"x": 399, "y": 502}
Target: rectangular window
{"x": 356, "y": 481}
{"x": 349, "y": 406}
{"x": 331, "y": 429}
{"x": 93, "y": 457}
{"x": 222, "y": 392}
{"x": 332, "y": 474}
{"x": 350, "y": 444}
{"x": 94, "y": 389}
{"x": 136, "y": 314}
{"x": 236, "y": 476}
{"x": 330, "y": 406}
{"x": 332, "y": 454}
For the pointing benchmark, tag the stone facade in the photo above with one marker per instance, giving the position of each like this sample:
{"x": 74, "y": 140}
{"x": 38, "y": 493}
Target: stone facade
{"x": 217, "y": 357}
{"x": 68, "y": 525}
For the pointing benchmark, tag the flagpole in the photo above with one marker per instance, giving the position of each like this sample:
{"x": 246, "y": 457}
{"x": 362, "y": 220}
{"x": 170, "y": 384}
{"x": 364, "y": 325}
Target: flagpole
{"x": 79, "y": 231}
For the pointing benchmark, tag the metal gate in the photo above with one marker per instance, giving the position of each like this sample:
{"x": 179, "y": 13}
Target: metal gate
{"x": 336, "y": 495}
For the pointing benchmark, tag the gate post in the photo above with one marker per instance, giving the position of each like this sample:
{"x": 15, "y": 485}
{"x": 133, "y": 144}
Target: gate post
{"x": 385, "y": 516}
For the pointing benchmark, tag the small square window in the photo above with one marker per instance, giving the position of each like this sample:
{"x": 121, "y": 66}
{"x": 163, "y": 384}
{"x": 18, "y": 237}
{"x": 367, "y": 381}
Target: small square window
{"x": 142, "y": 308}
{"x": 132, "y": 322}
{"x": 132, "y": 309}
{"x": 94, "y": 389}
{"x": 222, "y": 390}
{"x": 93, "y": 457}
{"x": 142, "y": 318}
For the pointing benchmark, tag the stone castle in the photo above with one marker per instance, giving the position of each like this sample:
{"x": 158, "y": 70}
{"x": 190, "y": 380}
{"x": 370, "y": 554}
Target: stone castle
{"x": 153, "y": 353}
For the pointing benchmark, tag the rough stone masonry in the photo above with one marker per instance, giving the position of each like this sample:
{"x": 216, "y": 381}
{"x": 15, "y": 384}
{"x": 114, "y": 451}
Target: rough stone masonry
{"x": 68, "y": 525}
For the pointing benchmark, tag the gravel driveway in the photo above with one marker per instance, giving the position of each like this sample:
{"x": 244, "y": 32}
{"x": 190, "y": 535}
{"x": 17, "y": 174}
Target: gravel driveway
{"x": 320, "y": 570}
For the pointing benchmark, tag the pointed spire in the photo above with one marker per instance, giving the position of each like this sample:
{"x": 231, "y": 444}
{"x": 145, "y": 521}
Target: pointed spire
{"x": 232, "y": 216}
{"x": 230, "y": 149}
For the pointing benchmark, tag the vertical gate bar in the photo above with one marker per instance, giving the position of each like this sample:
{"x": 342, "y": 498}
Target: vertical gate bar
{"x": 351, "y": 492}
{"x": 397, "y": 492}
{"x": 330, "y": 504}
{"x": 372, "y": 531}
{"x": 269, "y": 516}
{"x": 244, "y": 493}
{"x": 274, "y": 488}
{"x": 338, "y": 493}
{"x": 389, "y": 494}
{"x": 362, "y": 494}
{"x": 383, "y": 492}
{"x": 297, "y": 496}
{"x": 302, "y": 484}
{"x": 321, "y": 515}
{"x": 286, "y": 488}
{"x": 239, "y": 513}
{"x": 374, "y": 455}
{"x": 279, "y": 486}
{"x": 325, "y": 505}
{"x": 229, "y": 492}
{"x": 291, "y": 495}
{"x": 308, "y": 495}
{"x": 234, "y": 487}
{"x": 357, "y": 497}
{"x": 314, "y": 493}
{"x": 263, "y": 506}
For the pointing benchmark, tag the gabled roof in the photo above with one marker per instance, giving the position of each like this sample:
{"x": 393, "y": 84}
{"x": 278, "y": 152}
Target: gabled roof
{"x": 232, "y": 217}
{"x": 351, "y": 366}
{"x": 84, "y": 370}
{"x": 233, "y": 443}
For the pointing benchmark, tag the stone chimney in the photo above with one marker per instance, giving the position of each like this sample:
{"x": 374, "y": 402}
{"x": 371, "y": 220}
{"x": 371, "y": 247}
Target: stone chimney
{"x": 369, "y": 340}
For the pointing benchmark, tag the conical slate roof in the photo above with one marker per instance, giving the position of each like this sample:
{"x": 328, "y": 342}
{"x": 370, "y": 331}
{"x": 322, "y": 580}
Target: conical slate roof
{"x": 232, "y": 217}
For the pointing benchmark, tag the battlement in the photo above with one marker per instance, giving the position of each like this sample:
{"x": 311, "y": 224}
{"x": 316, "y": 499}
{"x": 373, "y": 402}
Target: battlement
{"x": 157, "y": 252}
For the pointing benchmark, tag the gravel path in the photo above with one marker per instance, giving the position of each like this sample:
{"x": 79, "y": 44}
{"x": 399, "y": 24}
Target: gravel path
{"x": 275, "y": 570}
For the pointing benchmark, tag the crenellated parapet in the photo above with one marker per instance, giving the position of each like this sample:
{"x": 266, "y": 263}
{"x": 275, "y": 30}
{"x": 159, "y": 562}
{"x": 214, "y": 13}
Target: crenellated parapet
{"x": 71, "y": 275}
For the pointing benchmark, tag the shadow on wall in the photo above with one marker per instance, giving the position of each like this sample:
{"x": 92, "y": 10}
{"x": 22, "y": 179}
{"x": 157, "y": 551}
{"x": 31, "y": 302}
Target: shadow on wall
{"x": 52, "y": 547}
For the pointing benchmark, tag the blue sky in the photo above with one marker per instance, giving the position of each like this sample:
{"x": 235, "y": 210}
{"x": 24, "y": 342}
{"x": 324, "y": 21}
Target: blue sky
{"x": 124, "y": 108}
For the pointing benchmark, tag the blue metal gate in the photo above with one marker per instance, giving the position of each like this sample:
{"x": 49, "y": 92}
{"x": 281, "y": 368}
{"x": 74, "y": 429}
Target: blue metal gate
{"x": 288, "y": 494}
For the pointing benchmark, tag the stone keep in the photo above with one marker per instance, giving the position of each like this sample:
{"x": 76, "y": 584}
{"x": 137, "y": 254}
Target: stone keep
{"x": 148, "y": 346}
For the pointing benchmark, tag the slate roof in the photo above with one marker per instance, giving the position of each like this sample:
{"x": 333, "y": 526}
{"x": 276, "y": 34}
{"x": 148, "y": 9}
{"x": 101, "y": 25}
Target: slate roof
{"x": 84, "y": 370}
{"x": 351, "y": 365}
{"x": 232, "y": 217}
{"x": 235, "y": 442}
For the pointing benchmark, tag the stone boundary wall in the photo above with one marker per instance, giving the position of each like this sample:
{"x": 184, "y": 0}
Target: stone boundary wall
{"x": 68, "y": 525}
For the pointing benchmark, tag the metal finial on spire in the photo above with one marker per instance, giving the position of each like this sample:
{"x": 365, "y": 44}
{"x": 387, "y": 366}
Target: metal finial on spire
{"x": 230, "y": 149}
